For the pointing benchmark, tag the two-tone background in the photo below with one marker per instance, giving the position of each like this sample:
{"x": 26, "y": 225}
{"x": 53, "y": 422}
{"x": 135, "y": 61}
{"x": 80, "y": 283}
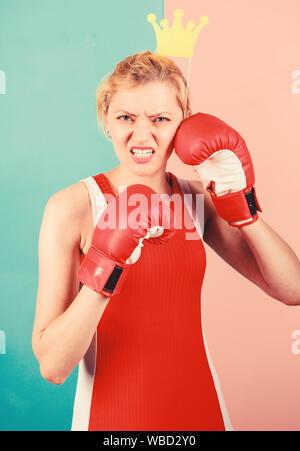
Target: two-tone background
{"x": 245, "y": 70}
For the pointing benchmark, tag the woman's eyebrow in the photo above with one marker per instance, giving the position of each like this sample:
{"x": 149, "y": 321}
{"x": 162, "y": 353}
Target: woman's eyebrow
{"x": 125, "y": 112}
{"x": 149, "y": 115}
{"x": 160, "y": 114}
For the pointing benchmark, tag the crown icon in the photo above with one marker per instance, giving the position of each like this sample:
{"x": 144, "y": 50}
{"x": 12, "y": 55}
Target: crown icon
{"x": 176, "y": 40}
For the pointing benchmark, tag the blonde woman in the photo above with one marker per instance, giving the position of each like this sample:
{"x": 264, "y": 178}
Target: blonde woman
{"x": 126, "y": 310}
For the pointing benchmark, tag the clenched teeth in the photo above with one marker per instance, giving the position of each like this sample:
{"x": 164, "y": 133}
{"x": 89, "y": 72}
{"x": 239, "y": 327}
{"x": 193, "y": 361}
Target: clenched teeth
{"x": 142, "y": 152}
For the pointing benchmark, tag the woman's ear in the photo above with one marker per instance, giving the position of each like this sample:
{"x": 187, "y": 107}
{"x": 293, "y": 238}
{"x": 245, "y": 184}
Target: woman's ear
{"x": 106, "y": 127}
{"x": 105, "y": 117}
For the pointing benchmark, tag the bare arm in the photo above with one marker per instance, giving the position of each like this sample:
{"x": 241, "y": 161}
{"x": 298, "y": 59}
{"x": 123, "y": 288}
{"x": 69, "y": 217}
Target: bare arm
{"x": 277, "y": 262}
{"x": 255, "y": 251}
{"x": 66, "y": 318}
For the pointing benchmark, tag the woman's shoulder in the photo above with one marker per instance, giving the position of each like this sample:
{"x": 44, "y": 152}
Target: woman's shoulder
{"x": 72, "y": 199}
{"x": 70, "y": 207}
{"x": 195, "y": 186}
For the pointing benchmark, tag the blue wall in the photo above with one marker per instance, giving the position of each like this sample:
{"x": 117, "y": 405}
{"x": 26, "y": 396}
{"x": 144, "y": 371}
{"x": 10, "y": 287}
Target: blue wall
{"x": 52, "y": 56}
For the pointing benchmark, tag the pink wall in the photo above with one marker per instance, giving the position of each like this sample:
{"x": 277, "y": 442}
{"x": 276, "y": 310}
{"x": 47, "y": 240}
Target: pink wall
{"x": 242, "y": 71}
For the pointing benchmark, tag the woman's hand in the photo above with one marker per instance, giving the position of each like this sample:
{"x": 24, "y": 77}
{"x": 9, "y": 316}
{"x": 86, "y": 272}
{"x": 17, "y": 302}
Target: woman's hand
{"x": 117, "y": 240}
{"x": 220, "y": 157}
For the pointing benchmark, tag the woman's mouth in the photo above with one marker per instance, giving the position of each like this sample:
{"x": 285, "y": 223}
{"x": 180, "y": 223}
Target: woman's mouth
{"x": 142, "y": 155}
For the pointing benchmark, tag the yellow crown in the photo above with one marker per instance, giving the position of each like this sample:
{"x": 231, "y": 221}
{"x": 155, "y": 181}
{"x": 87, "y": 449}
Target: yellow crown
{"x": 176, "y": 41}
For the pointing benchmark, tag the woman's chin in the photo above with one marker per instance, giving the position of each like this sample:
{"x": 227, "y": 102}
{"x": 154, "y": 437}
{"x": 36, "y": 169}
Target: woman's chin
{"x": 146, "y": 169}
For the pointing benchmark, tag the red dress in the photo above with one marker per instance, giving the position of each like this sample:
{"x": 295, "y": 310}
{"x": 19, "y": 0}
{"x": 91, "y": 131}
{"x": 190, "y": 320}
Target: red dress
{"x": 151, "y": 370}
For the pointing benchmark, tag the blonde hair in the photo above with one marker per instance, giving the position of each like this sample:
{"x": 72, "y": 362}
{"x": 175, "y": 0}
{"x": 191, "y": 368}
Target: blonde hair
{"x": 138, "y": 69}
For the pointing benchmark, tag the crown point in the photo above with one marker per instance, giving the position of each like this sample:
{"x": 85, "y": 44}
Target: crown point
{"x": 178, "y": 13}
{"x": 151, "y": 18}
{"x": 164, "y": 23}
{"x": 190, "y": 25}
{"x": 204, "y": 20}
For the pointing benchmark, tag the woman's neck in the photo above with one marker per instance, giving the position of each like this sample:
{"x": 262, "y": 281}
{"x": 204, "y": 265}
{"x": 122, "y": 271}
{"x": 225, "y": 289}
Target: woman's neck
{"x": 120, "y": 176}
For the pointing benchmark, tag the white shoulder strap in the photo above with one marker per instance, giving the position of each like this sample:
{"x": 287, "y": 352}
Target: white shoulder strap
{"x": 98, "y": 201}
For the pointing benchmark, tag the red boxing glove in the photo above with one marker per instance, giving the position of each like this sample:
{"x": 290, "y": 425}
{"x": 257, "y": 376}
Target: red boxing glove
{"x": 222, "y": 160}
{"x": 117, "y": 242}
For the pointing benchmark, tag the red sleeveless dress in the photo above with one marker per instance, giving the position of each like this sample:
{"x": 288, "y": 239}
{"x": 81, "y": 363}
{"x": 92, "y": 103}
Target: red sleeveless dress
{"x": 152, "y": 371}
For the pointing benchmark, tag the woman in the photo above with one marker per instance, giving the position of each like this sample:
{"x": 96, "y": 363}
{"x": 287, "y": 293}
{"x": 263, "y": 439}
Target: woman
{"x": 143, "y": 358}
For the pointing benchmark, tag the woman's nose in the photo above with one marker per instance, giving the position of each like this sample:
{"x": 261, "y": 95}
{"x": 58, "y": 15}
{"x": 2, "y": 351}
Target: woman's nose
{"x": 142, "y": 129}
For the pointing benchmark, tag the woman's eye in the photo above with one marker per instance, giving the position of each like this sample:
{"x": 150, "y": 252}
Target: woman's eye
{"x": 125, "y": 117}
{"x": 162, "y": 119}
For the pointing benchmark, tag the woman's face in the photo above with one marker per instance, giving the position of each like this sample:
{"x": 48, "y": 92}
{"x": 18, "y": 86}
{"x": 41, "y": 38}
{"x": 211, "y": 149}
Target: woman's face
{"x": 142, "y": 122}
